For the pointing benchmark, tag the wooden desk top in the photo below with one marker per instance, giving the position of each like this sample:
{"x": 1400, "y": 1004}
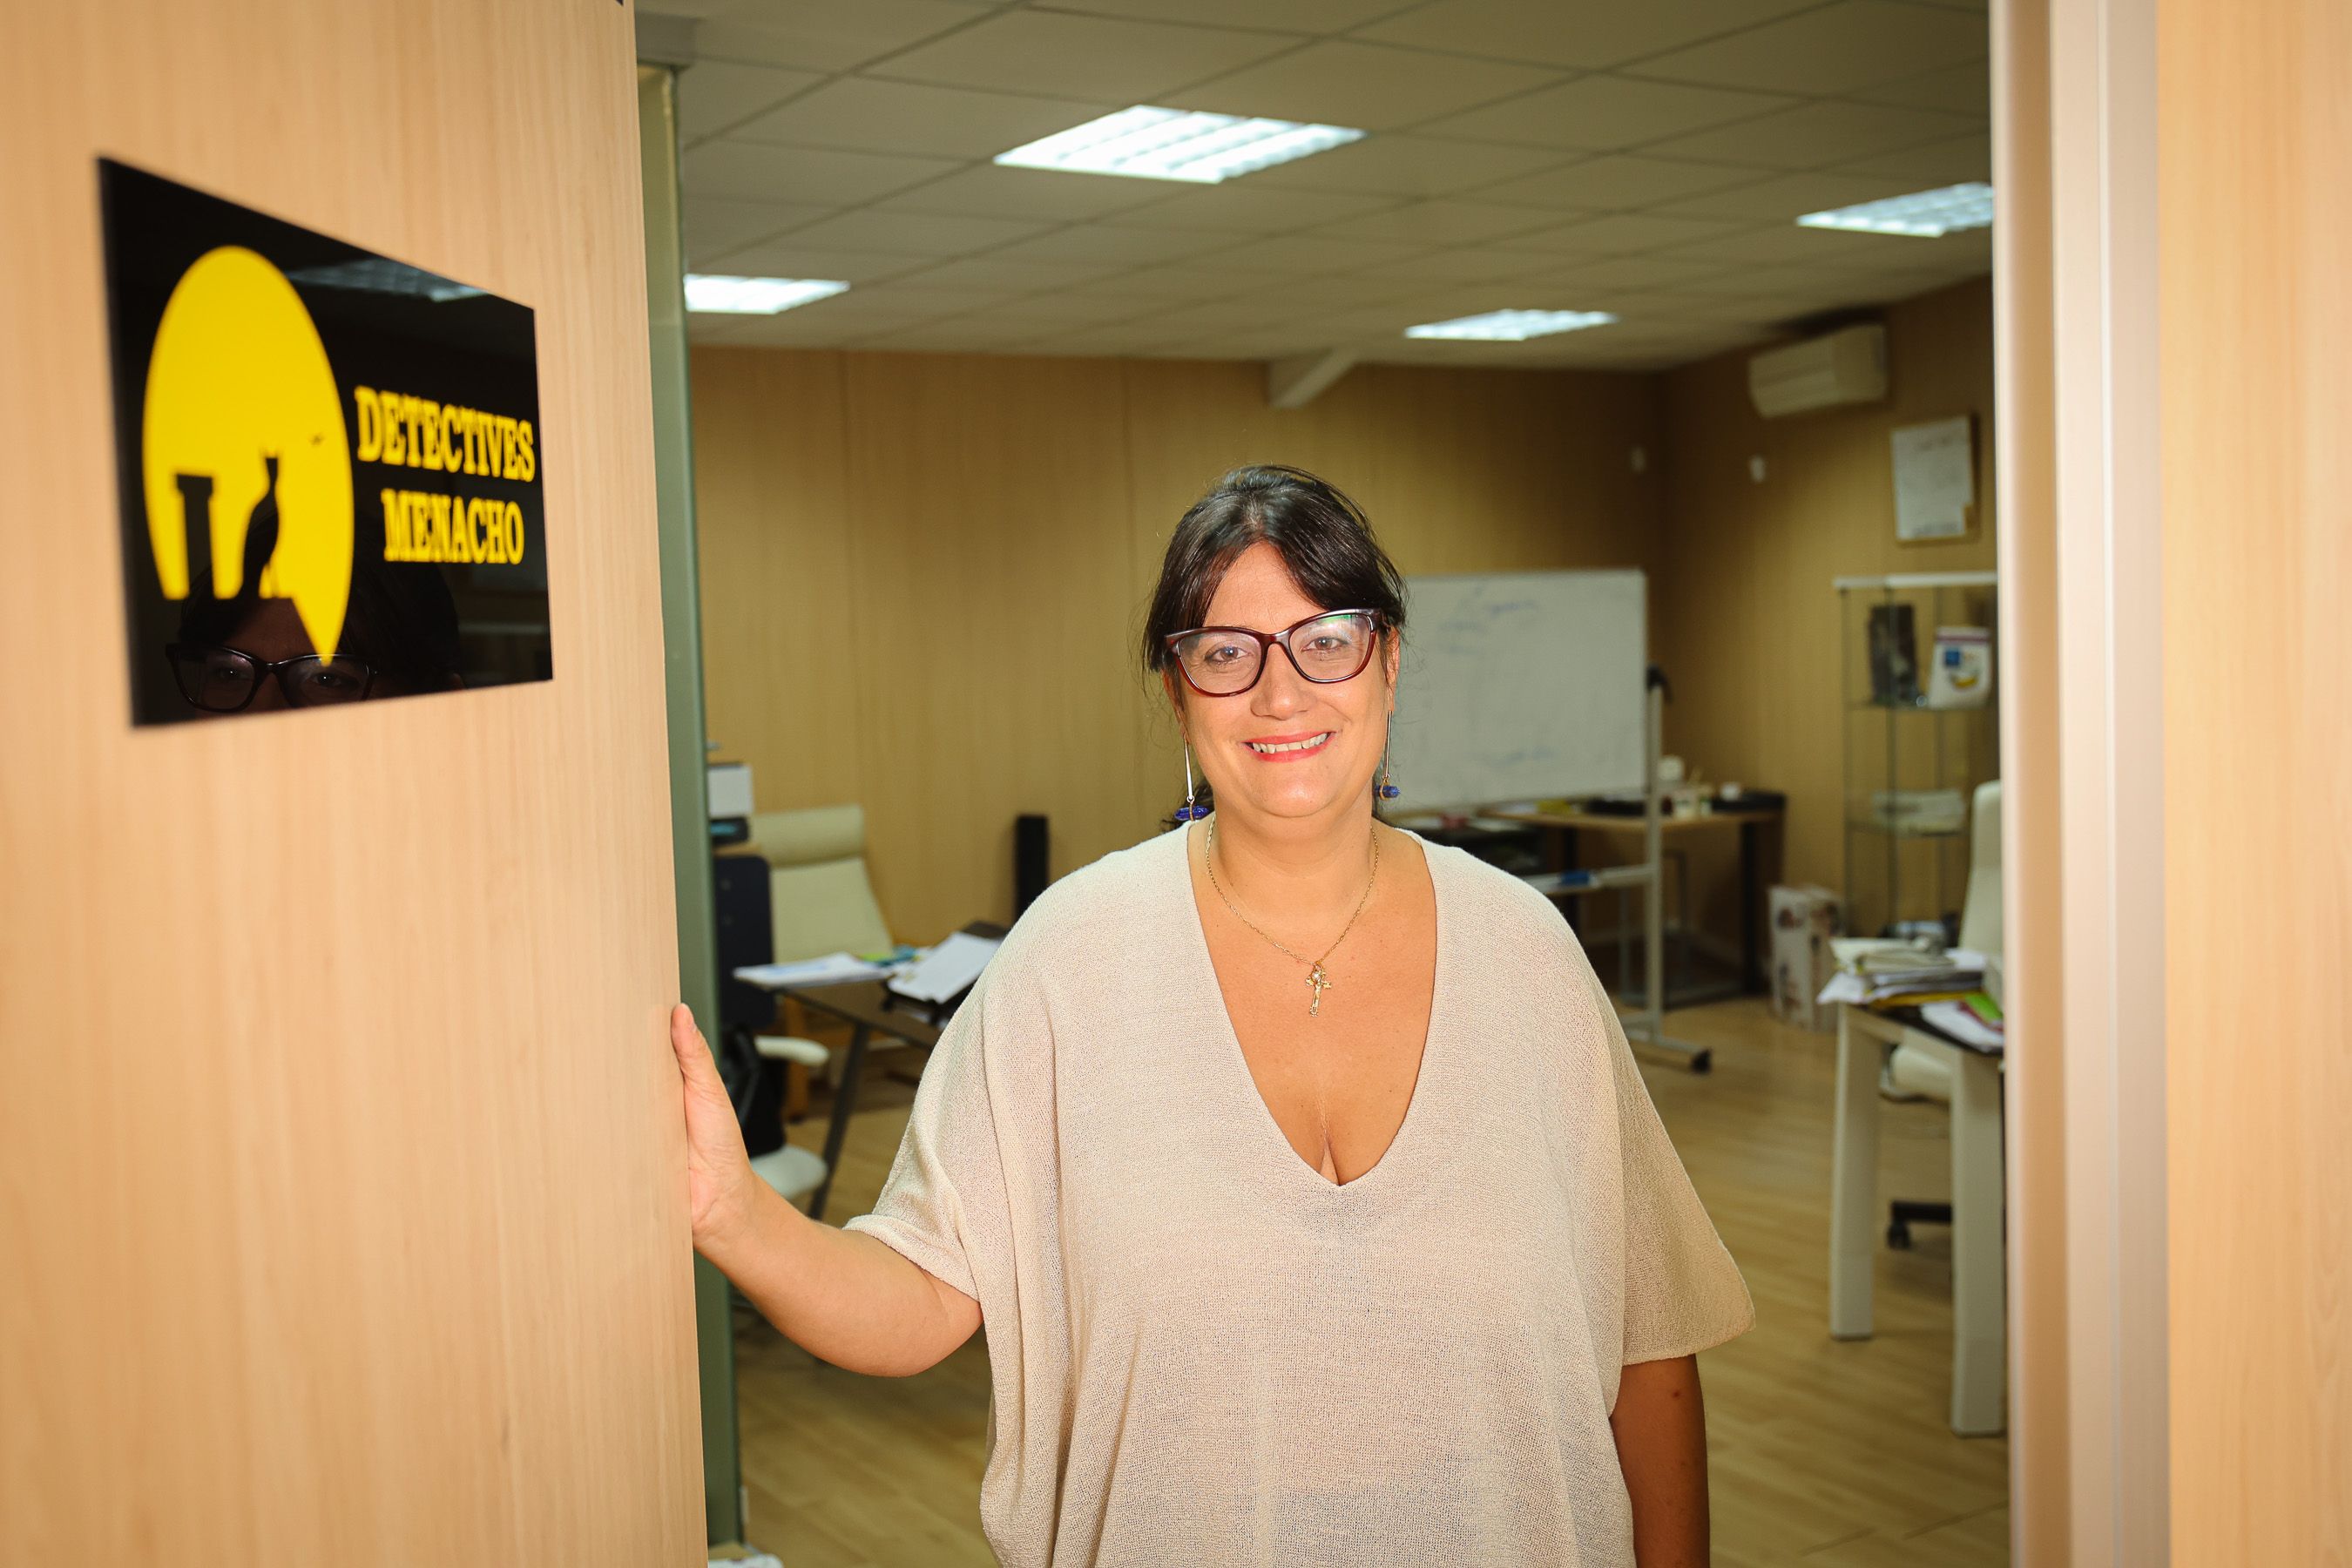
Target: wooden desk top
{"x": 1604, "y": 822}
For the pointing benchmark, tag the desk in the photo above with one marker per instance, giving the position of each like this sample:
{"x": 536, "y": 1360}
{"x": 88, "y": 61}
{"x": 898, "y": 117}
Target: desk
{"x": 858, "y": 1003}
{"x": 1569, "y": 823}
{"x": 1980, "y": 1333}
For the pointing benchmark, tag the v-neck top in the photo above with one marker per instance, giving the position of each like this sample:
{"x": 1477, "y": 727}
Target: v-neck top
{"x": 1201, "y": 1351}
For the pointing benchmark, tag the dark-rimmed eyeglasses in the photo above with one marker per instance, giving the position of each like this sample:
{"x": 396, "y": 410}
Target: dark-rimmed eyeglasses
{"x": 226, "y": 680}
{"x": 1326, "y": 648}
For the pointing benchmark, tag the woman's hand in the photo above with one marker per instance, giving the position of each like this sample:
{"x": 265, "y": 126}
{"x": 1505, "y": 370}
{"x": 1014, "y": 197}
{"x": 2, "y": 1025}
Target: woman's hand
{"x": 718, "y": 1179}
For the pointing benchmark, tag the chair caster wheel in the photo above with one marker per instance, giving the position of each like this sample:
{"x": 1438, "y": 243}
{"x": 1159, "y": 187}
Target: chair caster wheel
{"x": 1898, "y": 1236}
{"x": 1703, "y": 1062}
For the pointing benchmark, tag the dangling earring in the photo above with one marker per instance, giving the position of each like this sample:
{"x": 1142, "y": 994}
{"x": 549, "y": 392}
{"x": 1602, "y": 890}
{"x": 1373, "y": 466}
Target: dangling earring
{"x": 1189, "y": 812}
{"x": 1386, "y": 789}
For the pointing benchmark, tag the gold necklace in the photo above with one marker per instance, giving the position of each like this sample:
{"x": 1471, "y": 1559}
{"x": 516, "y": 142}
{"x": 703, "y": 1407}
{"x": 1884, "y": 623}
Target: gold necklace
{"x": 1314, "y": 975}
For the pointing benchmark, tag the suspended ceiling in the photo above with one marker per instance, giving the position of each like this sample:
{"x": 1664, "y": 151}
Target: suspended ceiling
{"x": 1643, "y": 157}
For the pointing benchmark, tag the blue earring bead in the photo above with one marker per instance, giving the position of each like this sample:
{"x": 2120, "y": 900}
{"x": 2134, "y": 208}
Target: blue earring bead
{"x": 1387, "y": 790}
{"x": 1188, "y": 812}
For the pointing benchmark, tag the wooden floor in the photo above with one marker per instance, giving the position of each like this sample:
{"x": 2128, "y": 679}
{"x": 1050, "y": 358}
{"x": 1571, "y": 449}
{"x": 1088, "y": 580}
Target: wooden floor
{"x": 1833, "y": 1455}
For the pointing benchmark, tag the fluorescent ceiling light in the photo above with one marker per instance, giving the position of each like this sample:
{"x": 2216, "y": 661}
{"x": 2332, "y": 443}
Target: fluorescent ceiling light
{"x": 1176, "y": 144}
{"x": 711, "y": 295}
{"x": 1511, "y": 326}
{"x": 1923, "y": 215}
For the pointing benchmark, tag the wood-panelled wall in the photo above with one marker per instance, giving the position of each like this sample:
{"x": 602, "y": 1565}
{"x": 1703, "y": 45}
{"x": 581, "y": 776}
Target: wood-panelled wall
{"x": 1748, "y": 630}
{"x": 2255, "y": 222}
{"x": 924, "y": 576}
{"x": 342, "y": 1174}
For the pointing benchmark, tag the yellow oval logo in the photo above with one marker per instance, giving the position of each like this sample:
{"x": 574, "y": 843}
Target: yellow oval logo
{"x": 242, "y": 431}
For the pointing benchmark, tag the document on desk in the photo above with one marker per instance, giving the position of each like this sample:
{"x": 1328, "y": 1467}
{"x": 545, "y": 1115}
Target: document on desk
{"x": 947, "y": 970}
{"x": 833, "y": 969}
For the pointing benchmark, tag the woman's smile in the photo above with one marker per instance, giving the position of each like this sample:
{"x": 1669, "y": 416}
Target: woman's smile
{"x": 1288, "y": 748}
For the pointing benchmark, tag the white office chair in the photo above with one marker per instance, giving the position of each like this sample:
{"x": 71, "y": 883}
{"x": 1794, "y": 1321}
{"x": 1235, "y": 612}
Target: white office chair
{"x": 1920, "y": 1067}
{"x": 820, "y": 900}
{"x": 792, "y": 1171}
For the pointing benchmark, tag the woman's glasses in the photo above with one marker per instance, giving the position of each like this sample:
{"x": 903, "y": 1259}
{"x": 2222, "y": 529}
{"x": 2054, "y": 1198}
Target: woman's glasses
{"x": 227, "y": 681}
{"x": 1225, "y": 661}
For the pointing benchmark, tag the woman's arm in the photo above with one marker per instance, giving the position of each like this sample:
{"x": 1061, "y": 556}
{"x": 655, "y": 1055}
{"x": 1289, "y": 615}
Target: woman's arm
{"x": 1661, "y": 1430}
{"x": 837, "y": 1294}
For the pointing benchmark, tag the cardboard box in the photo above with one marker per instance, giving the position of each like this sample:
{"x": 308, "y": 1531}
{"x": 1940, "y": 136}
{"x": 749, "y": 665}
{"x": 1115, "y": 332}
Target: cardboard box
{"x": 1803, "y": 920}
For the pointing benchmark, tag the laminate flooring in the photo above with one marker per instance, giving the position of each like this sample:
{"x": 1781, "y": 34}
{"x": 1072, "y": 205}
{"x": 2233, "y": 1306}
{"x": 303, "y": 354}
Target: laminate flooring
{"x": 1824, "y": 1454}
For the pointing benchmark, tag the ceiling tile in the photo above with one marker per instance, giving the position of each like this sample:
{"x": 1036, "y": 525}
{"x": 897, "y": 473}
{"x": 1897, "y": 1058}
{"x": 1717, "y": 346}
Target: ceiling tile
{"x": 715, "y": 94}
{"x": 1787, "y": 198}
{"x": 1826, "y": 248}
{"x": 1440, "y": 223}
{"x": 1316, "y": 17}
{"x": 1624, "y": 272}
{"x": 1749, "y": 282}
{"x": 1199, "y": 280}
{"x": 713, "y": 328}
{"x": 1603, "y": 114}
{"x": 747, "y": 170}
{"x": 991, "y": 191}
{"x": 1311, "y": 253}
{"x": 1961, "y": 89}
{"x": 1089, "y": 57}
{"x": 1247, "y": 207}
{"x": 718, "y": 224}
{"x": 1644, "y": 311}
{"x": 1318, "y": 296}
{"x": 1407, "y": 165}
{"x": 1063, "y": 312}
{"x": 1936, "y": 163}
{"x": 1586, "y": 35}
{"x": 1263, "y": 343}
{"x": 1620, "y": 234}
{"x": 1014, "y": 276}
{"x": 913, "y": 234}
{"x": 1221, "y": 316}
{"x": 1131, "y": 247}
{"x": 823, "y": 34}
{"x": 1839, "y": 48}
{"x": 786, "y": 257}
{"x": 874, "y": 116}
{"x": 1616, "y": 182}
{"x": 1817, "y": 133}
{"x": 1118, "y": 338}
{"x": 1462, "y": 264}
{"x": 1367, "y": 85}
{"x": 908, "y": 298}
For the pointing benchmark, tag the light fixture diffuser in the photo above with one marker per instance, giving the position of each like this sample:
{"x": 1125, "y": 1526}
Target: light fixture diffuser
{"x": 1185, "y": 144}
{"x": 1511, "y": 326}
{"x": 1922, "y": 214}
{"x": 715, "y": 295}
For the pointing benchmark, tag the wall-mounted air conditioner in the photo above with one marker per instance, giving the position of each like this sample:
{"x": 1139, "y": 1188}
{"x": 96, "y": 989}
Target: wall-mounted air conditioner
{"x": 1843, "y": 367}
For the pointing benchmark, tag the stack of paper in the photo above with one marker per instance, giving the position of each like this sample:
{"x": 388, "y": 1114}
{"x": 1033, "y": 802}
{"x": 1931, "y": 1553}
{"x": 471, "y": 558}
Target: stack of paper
{"x": 1973, "y": 1020}
{"x": 833, "y": 969}
{"x": 1880, "y": 972}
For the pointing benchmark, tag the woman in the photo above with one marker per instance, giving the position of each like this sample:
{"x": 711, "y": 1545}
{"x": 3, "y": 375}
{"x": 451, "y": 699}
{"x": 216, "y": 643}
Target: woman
{"x": 1298, "y": 1169}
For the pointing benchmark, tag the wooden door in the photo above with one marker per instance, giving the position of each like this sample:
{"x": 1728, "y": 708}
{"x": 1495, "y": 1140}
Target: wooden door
{"x": 341, "y": 1181}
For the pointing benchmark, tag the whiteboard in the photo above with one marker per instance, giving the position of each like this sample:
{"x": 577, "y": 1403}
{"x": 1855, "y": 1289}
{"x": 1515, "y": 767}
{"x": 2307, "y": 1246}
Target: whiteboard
{"x": 1520, "y": 686}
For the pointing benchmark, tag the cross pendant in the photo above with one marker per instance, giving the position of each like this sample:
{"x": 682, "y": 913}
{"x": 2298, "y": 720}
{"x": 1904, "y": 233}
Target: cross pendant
{"x": 1321, "y": 982}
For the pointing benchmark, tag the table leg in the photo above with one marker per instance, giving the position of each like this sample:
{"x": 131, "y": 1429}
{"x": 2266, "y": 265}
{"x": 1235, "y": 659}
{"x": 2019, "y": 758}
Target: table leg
{"x": 1980, "y": 1329}
{"x": 1853, "y": 1182}
{"x": 1752, "y": 913}
{"x": 845, "y": 1100}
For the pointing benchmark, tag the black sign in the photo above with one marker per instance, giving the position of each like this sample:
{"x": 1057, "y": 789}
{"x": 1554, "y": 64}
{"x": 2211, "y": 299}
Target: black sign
{"x": 329, "y": 462}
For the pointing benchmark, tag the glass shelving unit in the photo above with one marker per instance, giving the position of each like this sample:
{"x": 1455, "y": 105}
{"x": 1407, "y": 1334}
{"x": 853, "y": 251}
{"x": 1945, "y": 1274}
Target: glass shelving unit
{"x": 1911, "y": 766}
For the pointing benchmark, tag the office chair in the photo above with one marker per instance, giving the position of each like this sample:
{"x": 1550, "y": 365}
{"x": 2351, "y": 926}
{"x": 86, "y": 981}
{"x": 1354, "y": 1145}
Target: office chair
{"x": 745, "y": 1051}
{"x": 1925, "y": 1069}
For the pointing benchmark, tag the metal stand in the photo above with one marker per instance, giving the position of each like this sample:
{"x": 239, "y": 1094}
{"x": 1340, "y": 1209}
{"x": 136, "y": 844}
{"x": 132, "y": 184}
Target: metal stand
{"x": 1647, "y": 1027}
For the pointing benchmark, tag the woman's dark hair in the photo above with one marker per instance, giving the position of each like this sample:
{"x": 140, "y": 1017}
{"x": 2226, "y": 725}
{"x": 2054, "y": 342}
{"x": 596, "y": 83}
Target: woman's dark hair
{"x": 1322, "y": 537}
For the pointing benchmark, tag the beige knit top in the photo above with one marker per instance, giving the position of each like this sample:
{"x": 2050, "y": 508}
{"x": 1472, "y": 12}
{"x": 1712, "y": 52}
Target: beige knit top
{"x": 1204, "y": 1352}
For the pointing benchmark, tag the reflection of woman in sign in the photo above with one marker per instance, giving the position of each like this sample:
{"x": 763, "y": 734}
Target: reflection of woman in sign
{"x": 248, "y": 654}
{"x": 1297, "y": 1168}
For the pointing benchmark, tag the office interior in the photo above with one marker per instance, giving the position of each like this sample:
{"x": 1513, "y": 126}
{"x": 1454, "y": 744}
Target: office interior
{"x": 338, "y": 1136}
{"x": 986, "y": 438}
